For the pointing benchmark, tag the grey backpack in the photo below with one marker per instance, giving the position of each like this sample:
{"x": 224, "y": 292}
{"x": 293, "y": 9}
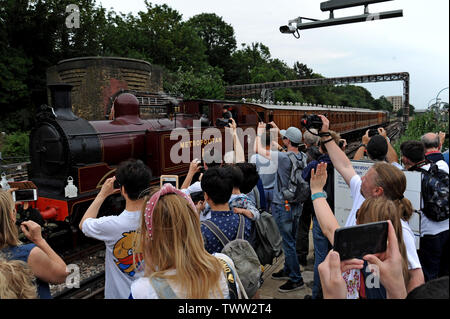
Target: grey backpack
{"x": 243, "y": 255}
{"x": 266, "y": 237}
{"x": 297, "y": 190}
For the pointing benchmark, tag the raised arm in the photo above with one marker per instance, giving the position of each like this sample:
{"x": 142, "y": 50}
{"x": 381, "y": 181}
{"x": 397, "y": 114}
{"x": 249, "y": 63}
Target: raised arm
{"x": 44, "y": 262}
{"x": 360, "y": 152}
{"x": 328, "y": 222}
{"x": 338, "y": 157}
{"x": 238, "y": 149}
{"x": 259, "y": 149}
{"x": 193, "y": 169}
{"x": 391, "y": 155}
{"x": 106, "y": 190}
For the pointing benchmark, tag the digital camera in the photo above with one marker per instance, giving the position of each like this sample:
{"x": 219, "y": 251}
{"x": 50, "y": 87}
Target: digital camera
{"x": 311, "y": 121}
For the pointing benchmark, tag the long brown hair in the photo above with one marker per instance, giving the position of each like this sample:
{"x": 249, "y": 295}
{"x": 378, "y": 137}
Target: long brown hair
{"x": 9, "y": 235}
{"x": 393, "y": 182}
{"x": 177, "y": 243}
{"x": 379, "y": 209}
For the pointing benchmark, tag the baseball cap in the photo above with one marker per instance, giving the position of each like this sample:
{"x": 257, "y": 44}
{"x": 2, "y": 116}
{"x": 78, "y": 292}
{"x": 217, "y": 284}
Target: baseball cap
{"x": 293, "y": 134}
{"x": 377, "y": 147}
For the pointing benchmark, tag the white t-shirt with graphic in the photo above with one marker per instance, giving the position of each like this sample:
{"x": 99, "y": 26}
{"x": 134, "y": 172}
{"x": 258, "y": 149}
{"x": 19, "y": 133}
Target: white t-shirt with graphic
{"x": 118, "y": 234}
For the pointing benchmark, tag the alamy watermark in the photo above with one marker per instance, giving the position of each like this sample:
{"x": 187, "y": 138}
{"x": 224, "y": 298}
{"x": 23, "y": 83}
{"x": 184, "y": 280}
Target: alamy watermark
{"x": 73, "y": 19}
{"x": 73, "y": 279}
{"x": 373, "y": 279}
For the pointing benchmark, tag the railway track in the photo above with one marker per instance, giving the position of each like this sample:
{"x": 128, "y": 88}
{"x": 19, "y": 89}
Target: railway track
{"x": 90, "y": 288}
{"x": 393, "y": 131}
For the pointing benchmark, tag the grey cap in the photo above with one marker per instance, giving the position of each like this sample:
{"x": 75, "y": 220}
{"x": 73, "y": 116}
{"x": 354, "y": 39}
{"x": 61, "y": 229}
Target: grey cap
{"x": 293, "y": 134}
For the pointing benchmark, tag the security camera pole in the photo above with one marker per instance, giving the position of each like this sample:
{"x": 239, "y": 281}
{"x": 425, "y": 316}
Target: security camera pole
{"x": 295, "y": 25}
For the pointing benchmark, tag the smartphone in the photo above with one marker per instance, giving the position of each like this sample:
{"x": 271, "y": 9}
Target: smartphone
{"x": 360, "y": 240}
{"x": 202, "y": 167}
{"x": 171, "y": 179}
{"x": 24, "y": 195}
{"x": 116, "y": 184}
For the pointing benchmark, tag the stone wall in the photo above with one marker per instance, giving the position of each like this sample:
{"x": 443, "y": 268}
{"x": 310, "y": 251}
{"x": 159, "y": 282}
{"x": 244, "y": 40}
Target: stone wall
{"x": 97, "y": 79}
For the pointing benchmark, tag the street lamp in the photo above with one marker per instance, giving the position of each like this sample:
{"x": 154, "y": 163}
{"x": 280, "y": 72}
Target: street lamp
{"x": 440, "y": 93}
{"x": 436, "y": 98}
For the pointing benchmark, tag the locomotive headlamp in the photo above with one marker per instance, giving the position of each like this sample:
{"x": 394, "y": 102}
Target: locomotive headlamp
{"x": 70, "y": 190}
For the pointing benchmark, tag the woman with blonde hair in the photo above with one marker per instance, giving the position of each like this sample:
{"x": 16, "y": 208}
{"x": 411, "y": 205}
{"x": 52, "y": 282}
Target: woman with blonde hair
{"x": 372, "y": 210}
{"x": 176, "y": 264}
{"x": 16, "y": 280}
{"x": 44, "y": 263}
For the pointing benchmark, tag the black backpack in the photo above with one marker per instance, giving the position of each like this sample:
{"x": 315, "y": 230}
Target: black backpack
{"x": 435, "y": 193}
{"x": 297, "y": 190}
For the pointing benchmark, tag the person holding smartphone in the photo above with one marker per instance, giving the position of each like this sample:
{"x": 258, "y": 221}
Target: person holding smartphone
{"x": 119, "y": 232}
{"x": 46, "y": 265}
{"x": 374, "y": 209}
{"x": 381, "y": 180}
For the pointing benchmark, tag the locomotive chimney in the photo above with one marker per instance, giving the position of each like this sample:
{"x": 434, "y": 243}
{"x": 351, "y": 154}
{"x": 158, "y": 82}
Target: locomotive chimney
{"x": 61, "y": 101}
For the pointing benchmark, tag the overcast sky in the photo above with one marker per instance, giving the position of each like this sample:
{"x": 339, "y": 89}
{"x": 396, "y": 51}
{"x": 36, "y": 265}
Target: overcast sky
{"x": 417, "y": 43}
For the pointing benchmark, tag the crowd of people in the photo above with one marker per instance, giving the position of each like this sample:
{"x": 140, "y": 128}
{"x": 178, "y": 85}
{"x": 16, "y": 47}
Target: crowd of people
{"x": 170, "y": 243}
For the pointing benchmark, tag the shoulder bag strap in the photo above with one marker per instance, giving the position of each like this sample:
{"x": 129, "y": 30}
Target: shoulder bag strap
{"x": 240, "y": 233}
{"x": 162, "y": 288}
{"x": 257, "y": 197}
{"x": 216, "y": 231}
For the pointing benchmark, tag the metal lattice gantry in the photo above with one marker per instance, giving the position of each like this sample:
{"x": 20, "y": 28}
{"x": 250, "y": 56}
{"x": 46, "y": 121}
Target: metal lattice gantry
{"x": 256, "y": 89}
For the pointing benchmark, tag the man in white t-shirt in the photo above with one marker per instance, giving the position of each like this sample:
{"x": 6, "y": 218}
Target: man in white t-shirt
{"x": 118, "y": 232}
{"x": 434, "y": 235}
{"x": 373, "y": 185}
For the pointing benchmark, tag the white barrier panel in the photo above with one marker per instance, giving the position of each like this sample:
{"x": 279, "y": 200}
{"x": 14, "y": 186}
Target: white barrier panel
{"x": 343, "y": 200}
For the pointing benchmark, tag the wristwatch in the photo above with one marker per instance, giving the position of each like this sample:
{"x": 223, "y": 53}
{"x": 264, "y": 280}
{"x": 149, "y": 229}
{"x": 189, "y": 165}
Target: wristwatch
{"x": 363, "y": 145}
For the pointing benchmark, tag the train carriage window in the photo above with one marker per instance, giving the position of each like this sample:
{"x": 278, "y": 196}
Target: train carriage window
{"x": 204, "y": 109}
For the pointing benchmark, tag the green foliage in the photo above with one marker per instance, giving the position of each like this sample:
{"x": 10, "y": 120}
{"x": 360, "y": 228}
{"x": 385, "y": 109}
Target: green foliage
{"x": 421, "y": 125}
{"x": 196, "y": 85}
{"x": 15, "y": 145}
{"x": 411, "y": 111}
{"x": 218, "y": 38}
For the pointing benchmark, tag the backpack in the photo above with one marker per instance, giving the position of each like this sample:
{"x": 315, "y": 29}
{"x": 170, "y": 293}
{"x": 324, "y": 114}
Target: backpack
{"x": 435, "y": 193}
{"x": 242, "y": 254}
{"x": 297, "y": 190}
{"x": 267, "y": 242}
{"x": 266, "y": 237}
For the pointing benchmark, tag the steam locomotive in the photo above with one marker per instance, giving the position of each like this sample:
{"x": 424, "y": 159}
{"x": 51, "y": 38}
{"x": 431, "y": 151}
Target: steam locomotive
{"x": 66, "y": 149}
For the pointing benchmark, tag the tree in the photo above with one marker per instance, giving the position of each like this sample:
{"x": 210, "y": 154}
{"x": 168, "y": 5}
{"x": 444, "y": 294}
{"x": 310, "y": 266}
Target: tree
{"x": 218, "y": 38}
{"x": 191, "y": 85}
{"x": 420, "y": 125}
{"x": 302, "y": 71}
